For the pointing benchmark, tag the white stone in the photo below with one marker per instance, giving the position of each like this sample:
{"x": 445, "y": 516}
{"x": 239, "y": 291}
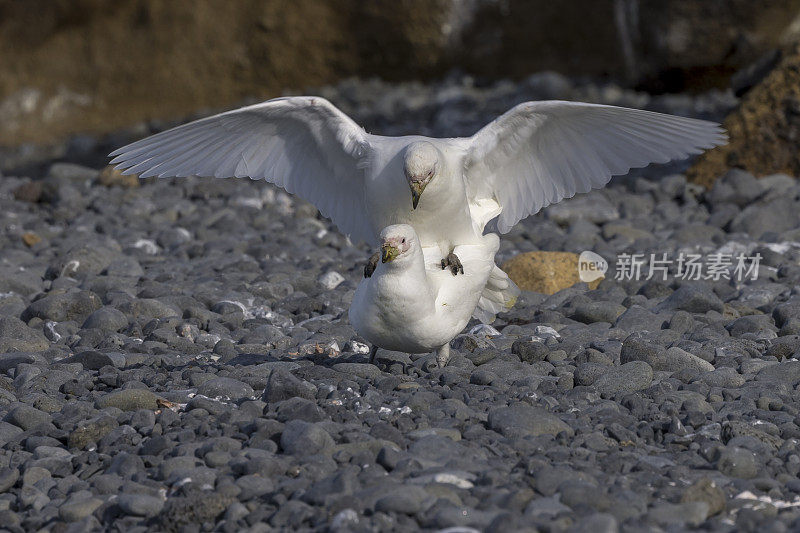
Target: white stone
{"x": 331, "y": 280}
{"x": 485, "y": 330}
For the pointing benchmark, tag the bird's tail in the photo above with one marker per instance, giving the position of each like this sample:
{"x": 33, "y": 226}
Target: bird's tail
{"x": 500, "y": 294}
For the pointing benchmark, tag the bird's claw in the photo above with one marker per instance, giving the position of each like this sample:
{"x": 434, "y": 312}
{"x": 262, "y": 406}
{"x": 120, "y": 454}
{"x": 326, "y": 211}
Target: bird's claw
{"x": 453, "y": 263}
{"x": 372, "y": 264}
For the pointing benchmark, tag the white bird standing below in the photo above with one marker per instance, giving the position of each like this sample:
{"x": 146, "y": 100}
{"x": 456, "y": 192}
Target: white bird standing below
{"x": 412, "y": 305}
{"x": 536, "y": 154}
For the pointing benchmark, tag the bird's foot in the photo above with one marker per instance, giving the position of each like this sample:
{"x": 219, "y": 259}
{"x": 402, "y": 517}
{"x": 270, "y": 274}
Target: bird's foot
{"x": 443, "y": 355}
{"x": 453, "y": 263}
{"x": 372, "y": 264}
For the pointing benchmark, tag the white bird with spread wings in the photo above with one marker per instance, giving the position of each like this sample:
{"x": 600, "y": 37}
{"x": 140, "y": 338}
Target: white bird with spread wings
{"x": 536, "y": 154}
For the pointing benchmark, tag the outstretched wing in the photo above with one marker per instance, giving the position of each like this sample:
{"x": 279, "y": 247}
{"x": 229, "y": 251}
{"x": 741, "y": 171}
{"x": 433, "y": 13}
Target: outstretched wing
{"x": 303, "y": 144}
{"x": 539, "y": 153}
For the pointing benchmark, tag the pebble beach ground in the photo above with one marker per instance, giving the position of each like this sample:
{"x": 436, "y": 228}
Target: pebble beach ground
{"x": 176, "y": 355}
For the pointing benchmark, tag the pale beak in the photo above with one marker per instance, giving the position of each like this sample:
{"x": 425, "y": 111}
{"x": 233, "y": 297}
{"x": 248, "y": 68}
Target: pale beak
{"x": 416, "y": 192}
{"x": 388, "y": 252}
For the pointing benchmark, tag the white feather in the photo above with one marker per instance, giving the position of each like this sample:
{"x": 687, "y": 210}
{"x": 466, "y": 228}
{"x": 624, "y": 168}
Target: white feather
{"x": 303, "y": 144}
{"x": 539, "y": 153}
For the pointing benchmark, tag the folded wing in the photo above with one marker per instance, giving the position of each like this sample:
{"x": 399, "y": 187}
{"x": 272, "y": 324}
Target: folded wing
{"x": 539, "y": 153}
{"x": 303, "y": 144}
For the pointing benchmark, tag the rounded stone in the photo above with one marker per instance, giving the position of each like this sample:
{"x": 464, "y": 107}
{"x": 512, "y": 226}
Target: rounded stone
{"x": 140, "y": 504}
{"x": 129, "y": 400}
{"x": 226, "y": 388}
{"x": 738, "y": 462}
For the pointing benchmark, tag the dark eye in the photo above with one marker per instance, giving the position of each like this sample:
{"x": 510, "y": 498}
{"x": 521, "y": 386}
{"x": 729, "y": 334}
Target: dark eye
{"x": 403, "y": 241}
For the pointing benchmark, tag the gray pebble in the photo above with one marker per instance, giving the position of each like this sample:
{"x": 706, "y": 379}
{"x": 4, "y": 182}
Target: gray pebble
{"x": 629, "y": 377}
{"x": 690, "y": 513}
{"x": 16, "y": 336}
{"x": 27, "y": 417}
{"x": 678, "y": 359}
{"x": 92, "y": 360}
{"x": 283, "y": 385}
{"x": 8, "y": 477}
{"x": 738, "y": 463}
{"x": 725, "y": 377}
{"x": 129, "y": 400}
{"x": 107, "y": 319}
{"x": 407, "y": 500}
{"x": 226, "y": 388}
{"x": 140, "y": 504}
{"x": 304, "y": 438}
{"x": 522, "y": 419}
{"x": 598, "y": 312}
{"x": 77, "y": 508}
{"x": 694, "y": 298}
{"x": 597, "y": 523}
{"x": 75, "y": 305}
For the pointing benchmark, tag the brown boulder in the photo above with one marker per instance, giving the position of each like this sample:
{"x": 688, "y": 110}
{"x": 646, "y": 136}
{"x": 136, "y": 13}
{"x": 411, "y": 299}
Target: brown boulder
{"x": 545, "y": 272}
{"x": 764, "y": 130}
{"x": 96, "y": 66}
{"x": 30, "y": 239}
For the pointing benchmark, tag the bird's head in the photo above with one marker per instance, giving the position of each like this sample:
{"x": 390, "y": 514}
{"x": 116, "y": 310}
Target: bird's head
{"x": 398, "y": 243}
{"x": 421, "y": 163}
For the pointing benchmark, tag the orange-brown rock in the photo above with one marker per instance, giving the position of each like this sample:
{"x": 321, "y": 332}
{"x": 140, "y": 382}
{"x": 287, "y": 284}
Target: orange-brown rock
{"x": 31, "y": 239}
{"x": 545, "y": 272}
{"x": 111, "y": 177}
{"x": 764, "y": 130}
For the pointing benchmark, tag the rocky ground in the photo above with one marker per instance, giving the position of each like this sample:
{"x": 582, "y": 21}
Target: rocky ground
{"x": 176, "y": 356}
